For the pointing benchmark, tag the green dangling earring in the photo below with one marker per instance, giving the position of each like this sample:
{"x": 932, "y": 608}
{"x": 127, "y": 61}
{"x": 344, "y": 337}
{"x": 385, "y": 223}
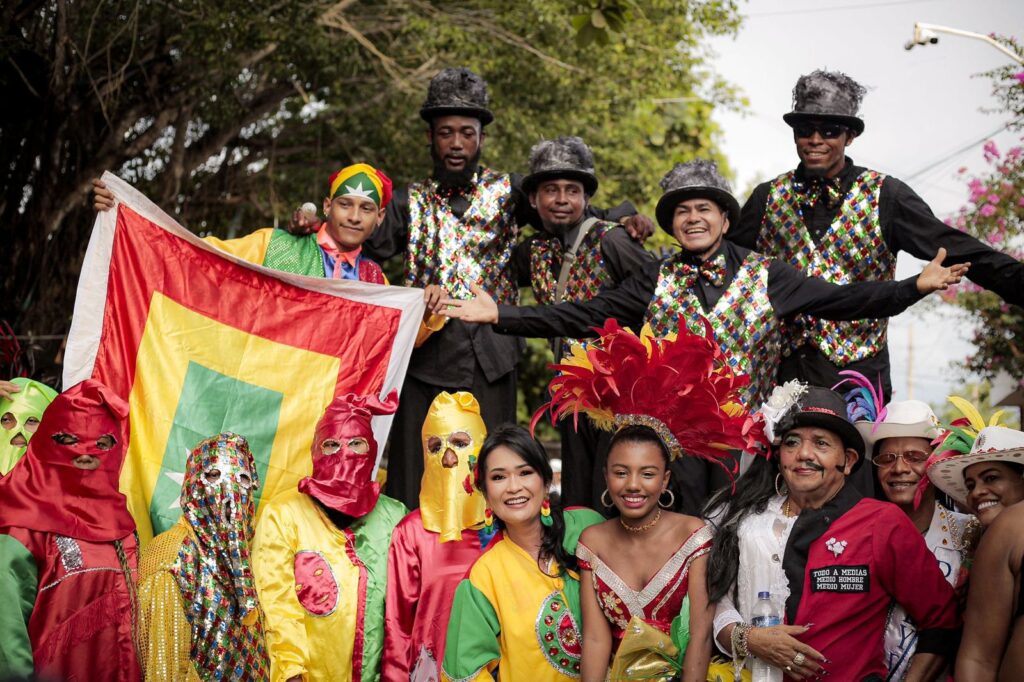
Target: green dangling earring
{"x": 545, "y": 512}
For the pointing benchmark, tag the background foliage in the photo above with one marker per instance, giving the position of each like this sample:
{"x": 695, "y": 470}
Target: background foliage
{"x": 229, "y": 114}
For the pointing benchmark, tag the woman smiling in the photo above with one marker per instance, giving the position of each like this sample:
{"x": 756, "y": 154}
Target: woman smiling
{"x": 519, "y": 609}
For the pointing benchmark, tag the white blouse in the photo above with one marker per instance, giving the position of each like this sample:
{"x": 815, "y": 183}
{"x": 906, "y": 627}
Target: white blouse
{"x": 762, "y": 543}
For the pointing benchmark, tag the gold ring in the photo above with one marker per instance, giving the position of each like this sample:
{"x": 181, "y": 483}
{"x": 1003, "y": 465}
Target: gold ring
{"x": 799, "y": 658}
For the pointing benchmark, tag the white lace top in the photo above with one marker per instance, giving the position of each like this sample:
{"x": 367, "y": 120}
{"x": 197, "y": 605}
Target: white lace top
{"x": 762, "y": 542}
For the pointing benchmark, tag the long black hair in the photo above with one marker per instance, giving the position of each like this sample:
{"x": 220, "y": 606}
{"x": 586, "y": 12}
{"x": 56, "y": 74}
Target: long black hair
{"x": 518, "y": 440}
{"x": 753, "y": 491}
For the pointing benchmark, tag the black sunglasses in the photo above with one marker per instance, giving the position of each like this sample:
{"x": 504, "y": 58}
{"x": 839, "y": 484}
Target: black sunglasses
{"x": 829, "y": 131}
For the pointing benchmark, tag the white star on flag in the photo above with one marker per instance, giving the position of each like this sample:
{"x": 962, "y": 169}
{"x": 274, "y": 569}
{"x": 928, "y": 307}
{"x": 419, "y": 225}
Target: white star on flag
{"x": 358, "y": 191}
{"x": 179, "y": 478}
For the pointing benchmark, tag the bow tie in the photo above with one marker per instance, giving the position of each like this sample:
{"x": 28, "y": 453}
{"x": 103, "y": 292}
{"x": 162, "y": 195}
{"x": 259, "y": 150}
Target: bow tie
{"x": 820, "y": 189}
{"x": 711, "y": 270}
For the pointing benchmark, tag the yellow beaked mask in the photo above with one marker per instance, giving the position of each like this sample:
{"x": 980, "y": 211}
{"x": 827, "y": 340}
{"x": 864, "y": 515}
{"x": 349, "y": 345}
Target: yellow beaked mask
{"x": 453, "y": 434}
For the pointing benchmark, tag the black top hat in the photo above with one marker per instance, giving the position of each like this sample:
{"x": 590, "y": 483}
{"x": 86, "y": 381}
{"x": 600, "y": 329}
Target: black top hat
{"x": 694, "y": 179}
{"x": 828, "y": 96}
{"x": 564, "y": 157}
{"x": 457, "y": 91}
{"x": 826, "y": 409}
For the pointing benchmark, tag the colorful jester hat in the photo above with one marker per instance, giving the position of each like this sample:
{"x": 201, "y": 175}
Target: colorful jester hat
{"x": 452, "y": 436}
{"x": 954, "y": 444}
{"x": 681, "y": 386}
{"x": 19, "y": 418}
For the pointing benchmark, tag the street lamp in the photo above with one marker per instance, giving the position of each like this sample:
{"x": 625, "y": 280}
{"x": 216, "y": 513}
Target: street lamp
{"x": 925, "y": 34}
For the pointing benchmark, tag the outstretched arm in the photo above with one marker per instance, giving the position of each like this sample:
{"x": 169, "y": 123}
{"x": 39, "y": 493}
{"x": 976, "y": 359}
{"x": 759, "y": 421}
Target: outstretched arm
{"x": 792, "y": 292}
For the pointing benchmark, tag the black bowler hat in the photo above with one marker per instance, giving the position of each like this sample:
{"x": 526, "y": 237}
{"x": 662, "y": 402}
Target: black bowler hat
{"x": 564, "y": 157}
{"x": 827, "y": 96}
{"x": 821, "y": 407}
{"x": 457, "y": 92}
{"x": 697, "y": 179}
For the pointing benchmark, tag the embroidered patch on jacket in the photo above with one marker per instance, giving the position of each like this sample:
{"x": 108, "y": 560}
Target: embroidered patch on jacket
{"x": 841, "y": 579}
{"x": 559, "y": 636}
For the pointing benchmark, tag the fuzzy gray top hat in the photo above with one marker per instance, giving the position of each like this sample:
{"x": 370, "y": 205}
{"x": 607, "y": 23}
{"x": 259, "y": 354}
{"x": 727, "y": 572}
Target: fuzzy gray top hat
{"x": 697, "y": 179}
{"x": 457, "y": 91}
{"x": 828, "y": 96}
{"x": 564, "y": 157}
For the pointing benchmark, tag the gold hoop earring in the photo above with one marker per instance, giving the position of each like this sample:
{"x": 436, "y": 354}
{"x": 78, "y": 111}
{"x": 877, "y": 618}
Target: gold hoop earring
{"x": 781, "y": 489}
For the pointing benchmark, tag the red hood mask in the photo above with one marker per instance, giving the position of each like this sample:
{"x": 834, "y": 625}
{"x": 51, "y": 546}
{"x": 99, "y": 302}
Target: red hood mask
{"x": 46, "y": 492}
{"x": 344, "y": 454}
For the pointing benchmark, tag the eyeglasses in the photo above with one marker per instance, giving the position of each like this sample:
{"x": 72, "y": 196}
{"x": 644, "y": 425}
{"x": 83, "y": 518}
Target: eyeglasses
{"x": 829, "y": 131}
{"x": 884, "y": 459}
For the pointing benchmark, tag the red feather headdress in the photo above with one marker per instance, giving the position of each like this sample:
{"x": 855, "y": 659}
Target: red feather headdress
{"x": 682, "y": 386}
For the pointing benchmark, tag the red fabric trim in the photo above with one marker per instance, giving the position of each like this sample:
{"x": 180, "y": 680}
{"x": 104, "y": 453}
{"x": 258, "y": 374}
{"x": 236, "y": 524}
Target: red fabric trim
{"x": 823, "y": 410}
{"x": 364, "y": 576}
{"x": 146, "y": 259}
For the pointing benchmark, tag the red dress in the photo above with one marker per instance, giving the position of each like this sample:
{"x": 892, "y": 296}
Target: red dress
{"x": 660, "y": 600}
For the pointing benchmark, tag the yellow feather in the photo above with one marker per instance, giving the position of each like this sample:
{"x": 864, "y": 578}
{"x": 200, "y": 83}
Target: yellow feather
{"x": 969, "y": 411}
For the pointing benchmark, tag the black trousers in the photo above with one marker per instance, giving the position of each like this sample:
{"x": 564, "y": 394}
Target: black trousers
{"x": 405, "y": 450}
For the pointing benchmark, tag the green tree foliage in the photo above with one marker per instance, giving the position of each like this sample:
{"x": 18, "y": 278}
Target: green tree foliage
{"x": 229, "y": 114}
{"x": 995, "y": 215}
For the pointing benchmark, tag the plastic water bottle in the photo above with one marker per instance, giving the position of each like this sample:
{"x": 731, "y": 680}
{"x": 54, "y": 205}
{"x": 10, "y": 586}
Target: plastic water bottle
{"x": 765, "y": 615}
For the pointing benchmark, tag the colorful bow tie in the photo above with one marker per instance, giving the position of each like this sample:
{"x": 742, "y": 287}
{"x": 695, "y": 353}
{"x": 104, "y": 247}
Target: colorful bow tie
{"x": 711, "y": 270}
{"x": 821, "y": 189}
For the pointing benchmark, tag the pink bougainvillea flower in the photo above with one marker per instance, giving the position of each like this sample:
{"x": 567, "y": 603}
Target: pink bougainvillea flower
{"x": 987, "y": 210}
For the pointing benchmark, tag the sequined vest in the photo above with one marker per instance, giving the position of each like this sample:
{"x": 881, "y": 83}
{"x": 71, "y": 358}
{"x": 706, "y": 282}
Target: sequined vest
{"x": 586, "y": 278}
{"x": 852, "y": 250}
{"x": 453, "y": 252}
{"x": 743, "y": 319}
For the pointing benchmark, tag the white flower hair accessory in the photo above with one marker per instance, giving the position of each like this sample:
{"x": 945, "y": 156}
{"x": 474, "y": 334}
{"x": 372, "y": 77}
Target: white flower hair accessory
{"x": 782, "y": 399}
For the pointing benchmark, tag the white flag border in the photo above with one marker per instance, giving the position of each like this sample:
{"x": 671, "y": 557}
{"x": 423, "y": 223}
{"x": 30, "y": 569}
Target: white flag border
{"x": 91, "y": 296}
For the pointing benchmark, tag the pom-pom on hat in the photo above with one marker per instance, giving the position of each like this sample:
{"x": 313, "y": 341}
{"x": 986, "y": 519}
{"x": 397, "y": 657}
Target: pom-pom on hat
{"x": 697, "y": 179}
{"x": 564, "y": 157}
{"x": 827, "y": 96}
{"x": 457, "y": 91}
{"x": 680, "y": 386}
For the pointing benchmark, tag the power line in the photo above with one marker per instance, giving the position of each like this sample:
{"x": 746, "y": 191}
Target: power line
{"x": 836, "y": 8}
{"x": 961, "y": 150}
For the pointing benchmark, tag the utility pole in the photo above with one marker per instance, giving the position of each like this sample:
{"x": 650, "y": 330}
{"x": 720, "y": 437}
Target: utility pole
{"x": 910, "y": 362}
{"x": 924, "y": 34}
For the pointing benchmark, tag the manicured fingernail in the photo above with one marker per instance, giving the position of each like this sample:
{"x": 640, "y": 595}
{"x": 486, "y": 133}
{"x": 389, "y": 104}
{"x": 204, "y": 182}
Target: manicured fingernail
{"x": 809, "y": 625}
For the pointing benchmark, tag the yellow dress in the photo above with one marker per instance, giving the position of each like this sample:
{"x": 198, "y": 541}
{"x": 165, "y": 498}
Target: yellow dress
{"x": 322, "y": 588}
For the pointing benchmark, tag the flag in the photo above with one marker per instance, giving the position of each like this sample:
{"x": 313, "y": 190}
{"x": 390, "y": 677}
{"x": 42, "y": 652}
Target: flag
{"x": 199, "y": 342}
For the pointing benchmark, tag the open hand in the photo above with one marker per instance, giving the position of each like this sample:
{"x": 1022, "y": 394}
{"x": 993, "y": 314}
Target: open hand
{"x": 481, "y": 308}
{"x": 639, "y": 227}
{"x": 102, "y": 198}
{"x": 8, "y": 388}
{"x": 778, "y": 646}
{"x": 936, "y": 277}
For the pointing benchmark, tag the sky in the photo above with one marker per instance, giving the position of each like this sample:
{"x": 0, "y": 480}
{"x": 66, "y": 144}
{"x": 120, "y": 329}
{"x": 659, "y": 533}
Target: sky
{"x": 923, "y": 106}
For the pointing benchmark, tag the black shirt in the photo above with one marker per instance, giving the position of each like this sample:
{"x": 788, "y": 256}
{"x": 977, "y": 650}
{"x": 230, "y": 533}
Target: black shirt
{"x": 789, "y": 291}
{"x": 452, "y": 356}
{"x": 907, "y": 224}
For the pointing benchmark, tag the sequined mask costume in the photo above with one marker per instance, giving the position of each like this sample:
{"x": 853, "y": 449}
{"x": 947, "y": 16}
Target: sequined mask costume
{"x": 345, "y": 453}
{"x": 213, "y": 569}
{"x": 743, "y": 319}
{"x": 852, "y": 250}
{"x": 27, "y": 404}
{"x": 453, "y": 434}
{"x": 456, "y": 252}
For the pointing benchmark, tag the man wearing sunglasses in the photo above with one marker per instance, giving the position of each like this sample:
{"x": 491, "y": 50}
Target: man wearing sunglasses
{"x": 898, "y": 446}
{"x": 834, "y": 219}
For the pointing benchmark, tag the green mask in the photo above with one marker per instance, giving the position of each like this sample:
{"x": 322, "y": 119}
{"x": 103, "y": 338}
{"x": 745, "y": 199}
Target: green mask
{"x": 30, "y": 402}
